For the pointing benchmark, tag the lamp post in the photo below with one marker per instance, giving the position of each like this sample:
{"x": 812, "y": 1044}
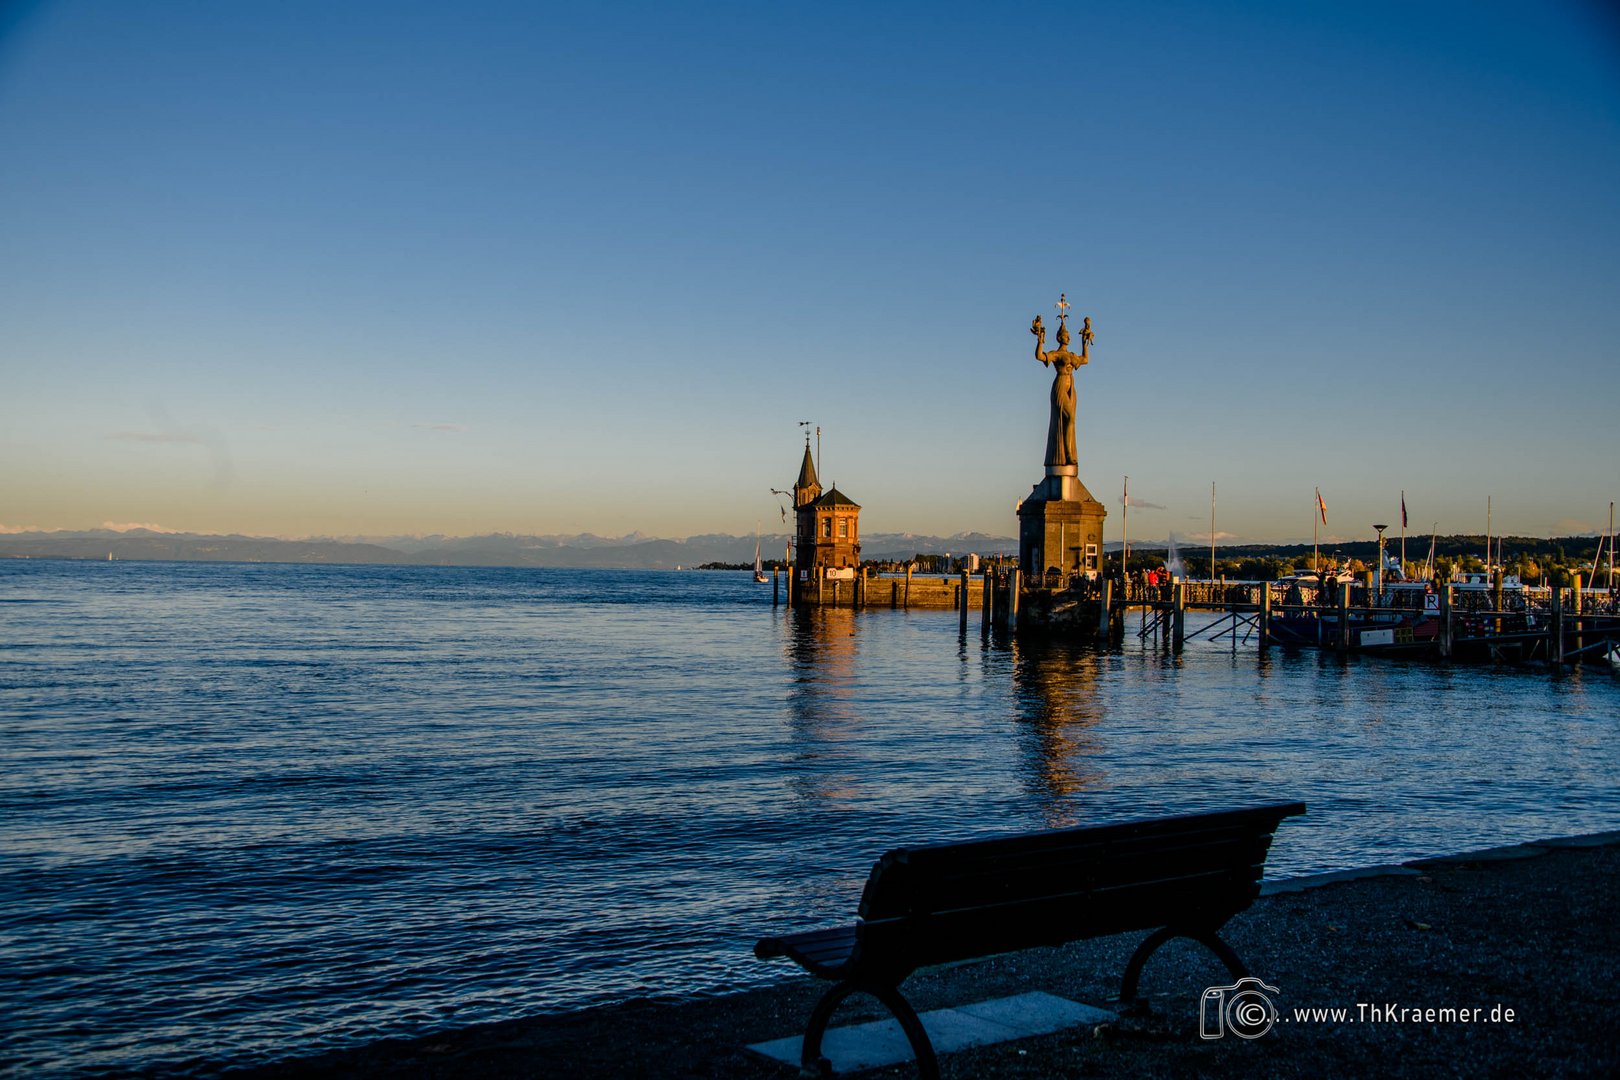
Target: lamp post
{"x": 1378, "y": 576}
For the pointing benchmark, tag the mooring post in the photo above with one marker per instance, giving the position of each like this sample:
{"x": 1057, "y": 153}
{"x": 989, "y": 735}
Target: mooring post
{"x": 1178, "y": 615}
{"x": 1344, "y": 616}
{"x": 1014, "y": 585}
{"x": 821, "y": 580}
{"x": 1496, "y": 602}
{"x": 1265, "y": 616}
{"x": 1445, "y": 622}
{"x": 986, "y": 602}
{"x": 1555, "y": 628}
{"x": 1580, "y": 639}
{"x": 1106, "y": 607}
{"x": 963, "y": 627}
{"x": 907, "y": 601}
{"x": 776, "y": 586}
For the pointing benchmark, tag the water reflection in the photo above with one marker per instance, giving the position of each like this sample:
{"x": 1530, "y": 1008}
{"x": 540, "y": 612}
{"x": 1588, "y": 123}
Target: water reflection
{"x": 821, "y": 648}
{"x": 1054, "y": 692}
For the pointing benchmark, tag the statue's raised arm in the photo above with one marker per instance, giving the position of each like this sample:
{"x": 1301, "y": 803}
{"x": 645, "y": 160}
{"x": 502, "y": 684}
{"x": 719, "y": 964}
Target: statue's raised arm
{"x": 1040, "y": 340}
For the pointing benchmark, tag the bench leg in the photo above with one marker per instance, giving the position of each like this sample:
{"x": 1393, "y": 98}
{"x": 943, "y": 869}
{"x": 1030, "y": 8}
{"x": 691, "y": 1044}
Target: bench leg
{"x": 1208, "y": 938}
{"x": 811, "y": 1063}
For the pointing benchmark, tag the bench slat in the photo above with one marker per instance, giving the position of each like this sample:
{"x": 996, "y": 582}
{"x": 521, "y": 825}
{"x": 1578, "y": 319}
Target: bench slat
{"x": 1205, "y": 901}
{"x": 900, "y": 886}
{"x": 1270, "y": 815}
{"x": 936, "y": 903}
{"x": 821, "y": 952}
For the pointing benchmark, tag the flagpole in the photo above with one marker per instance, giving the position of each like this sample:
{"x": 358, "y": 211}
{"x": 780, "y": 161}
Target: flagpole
{"x": 1487, "y": 538}
{"x": 1611, "y": 547}
{"x": 1212, "y": 531}
{"x": 1403, "y": 534}
{"x": 1316, "y": 561}
{"x": 1125, "y": 531}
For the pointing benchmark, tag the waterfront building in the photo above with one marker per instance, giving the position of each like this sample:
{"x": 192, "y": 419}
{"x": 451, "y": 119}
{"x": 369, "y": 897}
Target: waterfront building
{"x": 828, "y": 541}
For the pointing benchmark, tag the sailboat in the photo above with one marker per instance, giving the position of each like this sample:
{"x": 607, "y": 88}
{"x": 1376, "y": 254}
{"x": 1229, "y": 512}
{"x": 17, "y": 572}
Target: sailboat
{"x": 759, "y": 571}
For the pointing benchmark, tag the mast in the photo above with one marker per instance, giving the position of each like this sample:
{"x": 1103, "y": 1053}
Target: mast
{"x": 1212, "y": 530}
{"x": 1487, "y": 537}
{"x": 1316, "y": 561}
{"x": 1403, "y": 532}
{"x": 1125, "y": 530}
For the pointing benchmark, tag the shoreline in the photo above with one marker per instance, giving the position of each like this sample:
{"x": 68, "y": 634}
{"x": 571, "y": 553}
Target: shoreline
{"x": 1530, "y": 927}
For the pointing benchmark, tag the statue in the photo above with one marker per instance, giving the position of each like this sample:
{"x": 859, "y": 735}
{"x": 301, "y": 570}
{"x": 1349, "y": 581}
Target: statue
{"x": 1060, "y": 429}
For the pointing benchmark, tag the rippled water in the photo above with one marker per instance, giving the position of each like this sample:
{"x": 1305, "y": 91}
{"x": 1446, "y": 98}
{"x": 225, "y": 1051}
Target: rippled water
{"x": 255, "y": 810}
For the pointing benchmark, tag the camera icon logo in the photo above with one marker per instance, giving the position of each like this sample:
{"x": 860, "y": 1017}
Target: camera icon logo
{"x": 1244, "y": 1009}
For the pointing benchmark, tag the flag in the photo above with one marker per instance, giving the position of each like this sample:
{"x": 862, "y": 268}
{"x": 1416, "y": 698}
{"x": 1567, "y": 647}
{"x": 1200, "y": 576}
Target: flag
{"x": 1125, "y": 495}
{"x": 1321, "y": 506}
{"x": 1403, "y": 509}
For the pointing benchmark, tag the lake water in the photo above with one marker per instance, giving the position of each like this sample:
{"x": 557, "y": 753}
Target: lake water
{"x": 255, "y": 810}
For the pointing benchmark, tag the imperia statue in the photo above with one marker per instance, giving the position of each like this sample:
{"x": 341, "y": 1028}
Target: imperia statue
{"x": 1060, "y": 428}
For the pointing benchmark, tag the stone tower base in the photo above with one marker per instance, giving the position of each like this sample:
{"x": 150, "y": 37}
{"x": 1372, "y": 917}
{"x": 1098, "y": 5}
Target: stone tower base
{"x": 1060, "y": 526}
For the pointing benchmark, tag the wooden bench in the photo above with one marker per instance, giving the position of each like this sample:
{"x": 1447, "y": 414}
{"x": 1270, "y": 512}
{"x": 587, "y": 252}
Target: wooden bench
{"x": 939, "y": 903}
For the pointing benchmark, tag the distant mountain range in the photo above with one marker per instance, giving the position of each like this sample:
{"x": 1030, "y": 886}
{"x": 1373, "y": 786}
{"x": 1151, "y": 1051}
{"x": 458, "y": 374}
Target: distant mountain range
{"x": 638, "y": 551}
{"x": 635, "y": 551}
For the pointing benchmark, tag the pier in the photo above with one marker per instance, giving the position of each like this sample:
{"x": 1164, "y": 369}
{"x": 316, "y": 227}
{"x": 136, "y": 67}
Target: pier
{"x": 1556, "y": 626}
{"x": 963, "y": 592}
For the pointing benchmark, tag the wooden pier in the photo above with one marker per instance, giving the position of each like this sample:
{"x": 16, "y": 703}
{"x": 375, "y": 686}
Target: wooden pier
{"x": 1555, "y": 626}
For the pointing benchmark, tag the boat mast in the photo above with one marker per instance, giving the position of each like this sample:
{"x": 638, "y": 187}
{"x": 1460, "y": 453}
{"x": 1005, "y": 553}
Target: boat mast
{"x": 1125, "y": 530}
{"x": 1316, "y": 562}
{"x": 1403, "y": 532}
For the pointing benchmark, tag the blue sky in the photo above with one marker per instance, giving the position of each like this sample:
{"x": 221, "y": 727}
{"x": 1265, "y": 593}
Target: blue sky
{"x": 365, "y": 268}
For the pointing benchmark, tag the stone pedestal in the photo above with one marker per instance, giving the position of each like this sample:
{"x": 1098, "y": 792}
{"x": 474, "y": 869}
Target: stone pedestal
{"x": 1060, "y": 526}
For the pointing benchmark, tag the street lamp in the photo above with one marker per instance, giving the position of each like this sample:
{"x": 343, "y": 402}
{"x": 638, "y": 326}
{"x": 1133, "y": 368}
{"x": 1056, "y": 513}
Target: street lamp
{"x": 1378, "y": 579}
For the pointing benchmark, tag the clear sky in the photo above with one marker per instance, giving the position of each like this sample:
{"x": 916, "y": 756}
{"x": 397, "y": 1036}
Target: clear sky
{"x": 306, "y": 268}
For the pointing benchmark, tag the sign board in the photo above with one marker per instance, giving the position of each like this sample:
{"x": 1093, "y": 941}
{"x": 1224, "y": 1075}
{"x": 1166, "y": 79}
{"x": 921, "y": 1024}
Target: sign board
{"x": 1377, "y": 637}
{"x": 840, "y": 573}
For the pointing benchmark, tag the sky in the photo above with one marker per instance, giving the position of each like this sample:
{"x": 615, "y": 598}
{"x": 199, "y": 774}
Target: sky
{"x": 343, "y": 268}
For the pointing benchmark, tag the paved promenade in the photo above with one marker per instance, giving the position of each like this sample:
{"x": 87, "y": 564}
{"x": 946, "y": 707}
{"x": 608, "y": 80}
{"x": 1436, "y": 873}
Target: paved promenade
{"x": 1534, "y": 929}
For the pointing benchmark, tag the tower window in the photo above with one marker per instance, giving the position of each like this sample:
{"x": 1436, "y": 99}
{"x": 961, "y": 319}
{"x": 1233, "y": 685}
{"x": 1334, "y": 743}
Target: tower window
{"x": 843, "y": 528}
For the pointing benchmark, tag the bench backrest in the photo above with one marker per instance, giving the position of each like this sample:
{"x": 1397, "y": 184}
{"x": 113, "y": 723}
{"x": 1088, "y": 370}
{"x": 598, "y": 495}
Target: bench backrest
{"x": 942, "y": 902}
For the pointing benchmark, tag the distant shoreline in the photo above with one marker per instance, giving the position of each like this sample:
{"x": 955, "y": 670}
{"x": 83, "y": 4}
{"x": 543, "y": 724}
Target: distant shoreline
{"x": 594, "y": 553}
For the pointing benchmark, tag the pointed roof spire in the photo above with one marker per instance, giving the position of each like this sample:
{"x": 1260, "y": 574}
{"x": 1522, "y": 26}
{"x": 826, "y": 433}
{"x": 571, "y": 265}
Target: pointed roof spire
{"x": 807, "y": 471}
